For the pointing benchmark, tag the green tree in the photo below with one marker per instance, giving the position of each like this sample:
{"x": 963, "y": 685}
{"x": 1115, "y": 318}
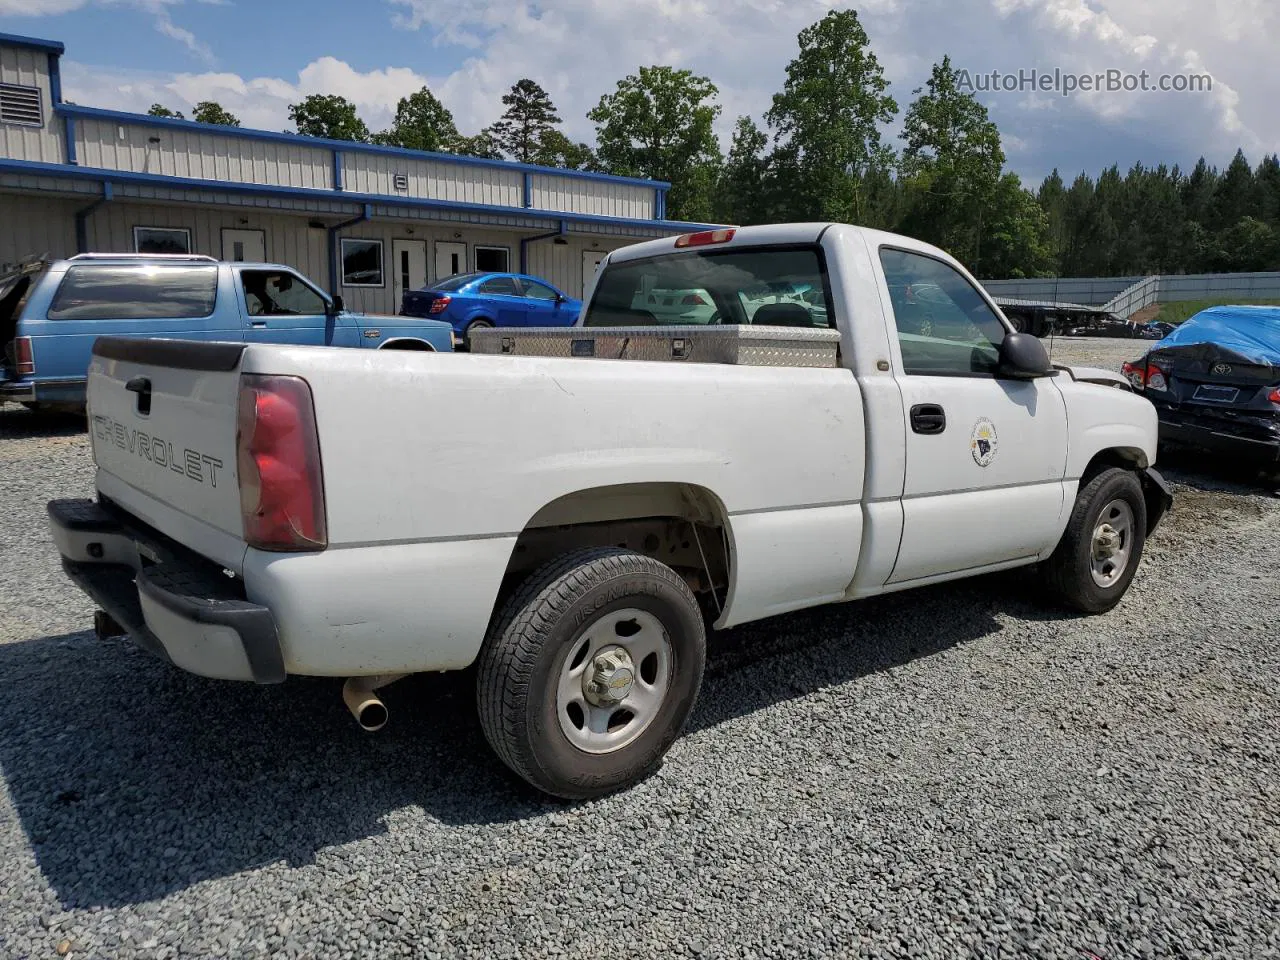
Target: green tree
{"x": 1235, "y": 196}
{"x": 742, "y": 195}
{"x": 481, "y": 145}
{"x": 1198, "y": 190}
{"x": 1015, "y": 233}
{"x": 826, "y": 120}
{"x": 209, "y": 111}
{"x": 160, "y": 110}
{"x": 658, "y": 124}
{"x": 1052, "y": 198}
{"x": 952, "y": 164}
{"x": 1268, "y": 180}
{"x": 422, "y": 122}
{"x": 1075, "y": 214}
{"x": 1247, "y": 245}
{"x": 330, "y": 116}
{"x": 557, "y": 150}
{"x": 529, "y": 119}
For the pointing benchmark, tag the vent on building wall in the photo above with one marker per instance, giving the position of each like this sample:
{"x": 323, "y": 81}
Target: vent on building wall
{"x": 401, "y": 181}
{"x": 21, "y": 105}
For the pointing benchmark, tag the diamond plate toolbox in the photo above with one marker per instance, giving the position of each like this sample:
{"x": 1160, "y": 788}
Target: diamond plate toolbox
{"x": 740, "y": 345}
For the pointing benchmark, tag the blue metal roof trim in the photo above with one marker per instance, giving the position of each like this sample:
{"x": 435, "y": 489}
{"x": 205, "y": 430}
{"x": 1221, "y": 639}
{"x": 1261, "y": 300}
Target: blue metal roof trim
{"x": 348, "y": 146}
{"x": 33, "y": 43}
{"x": 156, "y": 179}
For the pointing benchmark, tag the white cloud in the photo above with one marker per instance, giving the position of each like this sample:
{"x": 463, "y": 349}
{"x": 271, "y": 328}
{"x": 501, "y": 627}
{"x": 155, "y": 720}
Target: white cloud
{"x": 164, "y": 23}
{"x": 159, "y": 10}
{"x": 579, "y": 49}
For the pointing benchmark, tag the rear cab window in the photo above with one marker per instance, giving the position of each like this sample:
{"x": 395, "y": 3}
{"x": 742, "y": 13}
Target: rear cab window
{"x": 763, "y": 286}
{"x": 144, "y": 292}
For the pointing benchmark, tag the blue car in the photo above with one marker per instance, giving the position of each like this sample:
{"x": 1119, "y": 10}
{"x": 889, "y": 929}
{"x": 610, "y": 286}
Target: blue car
{"x": 470, "y": 301}
{"x": 52, "y": 312}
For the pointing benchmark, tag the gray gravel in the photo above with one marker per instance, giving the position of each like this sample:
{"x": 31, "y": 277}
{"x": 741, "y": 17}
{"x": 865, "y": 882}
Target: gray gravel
{"x": 1107, "y": 352}
{"x": 955, "y": 772}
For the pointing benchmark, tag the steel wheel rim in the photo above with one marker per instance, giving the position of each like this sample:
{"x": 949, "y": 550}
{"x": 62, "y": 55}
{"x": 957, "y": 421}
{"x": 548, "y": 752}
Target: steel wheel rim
{"x": 1112, "y": 543}
{"x": 592, "y": 722}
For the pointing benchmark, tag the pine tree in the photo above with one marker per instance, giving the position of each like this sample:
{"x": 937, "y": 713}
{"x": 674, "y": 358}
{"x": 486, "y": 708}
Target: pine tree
{"x": 1235, "y": 197}
{"x": 529, "y": 120}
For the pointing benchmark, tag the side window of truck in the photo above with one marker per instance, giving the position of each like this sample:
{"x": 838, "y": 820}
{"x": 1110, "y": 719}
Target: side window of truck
{"x": 278, "y": 293}
{"x": 135, "y": 293}
{"x": 945, "y": 328}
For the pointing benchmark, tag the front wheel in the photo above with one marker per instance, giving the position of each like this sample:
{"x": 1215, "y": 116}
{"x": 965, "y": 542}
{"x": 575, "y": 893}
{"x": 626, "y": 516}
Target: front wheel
{"x": 591, "y": 672}
{"x": 1095, "y": 561}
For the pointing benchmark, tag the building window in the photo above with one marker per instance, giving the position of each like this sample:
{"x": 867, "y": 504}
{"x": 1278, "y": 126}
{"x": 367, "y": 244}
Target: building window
{"x": 161, "y": 240}
{"x": 492, "y": 259}
{"x": 361, "y": 263}
{"x": 21, "y": 105}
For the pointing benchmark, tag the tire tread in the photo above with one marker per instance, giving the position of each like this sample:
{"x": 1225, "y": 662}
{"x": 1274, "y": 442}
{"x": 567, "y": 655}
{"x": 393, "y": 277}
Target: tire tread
{"x": 1060, "y": 570}
{"x": 515, "y": 642}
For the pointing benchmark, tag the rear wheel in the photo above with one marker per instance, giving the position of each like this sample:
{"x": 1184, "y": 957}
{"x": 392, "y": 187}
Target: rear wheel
{"x": 1096, "y": 560}
{"x": 591, "y": 671}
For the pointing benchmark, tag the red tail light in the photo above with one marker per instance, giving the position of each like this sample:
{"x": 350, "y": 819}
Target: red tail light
{"x": 1156, "y": 378}
{"x": 278, "y": 457}
{"x": 693, "y": 300}
{"x": 705, "y": 238}
{"x": 1274, "y": 395}
{"x": 1134, "y": 373}
{"x": 24, "y": 357}
{"x": 440, "y": 304}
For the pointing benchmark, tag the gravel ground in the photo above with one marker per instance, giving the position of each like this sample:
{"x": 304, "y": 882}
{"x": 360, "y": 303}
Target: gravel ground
{"x": 1107, "y": 352}
{"x": 955, "y": 772}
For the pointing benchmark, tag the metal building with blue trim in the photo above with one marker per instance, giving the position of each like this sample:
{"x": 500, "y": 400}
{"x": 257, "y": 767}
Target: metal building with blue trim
{"x": 369, "y": 221}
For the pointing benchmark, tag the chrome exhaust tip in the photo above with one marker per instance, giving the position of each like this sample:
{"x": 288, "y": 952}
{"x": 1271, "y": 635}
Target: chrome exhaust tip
{"x": 365, "y": 705}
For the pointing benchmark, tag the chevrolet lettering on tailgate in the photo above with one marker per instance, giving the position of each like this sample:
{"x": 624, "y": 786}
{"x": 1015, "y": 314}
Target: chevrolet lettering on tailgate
{"x": 192, "y": 464}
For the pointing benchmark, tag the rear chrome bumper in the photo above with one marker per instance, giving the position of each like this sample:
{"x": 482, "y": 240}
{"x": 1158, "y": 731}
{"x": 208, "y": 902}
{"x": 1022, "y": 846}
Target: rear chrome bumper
{"x": 18, "y": 391}
{"x": 171, "y": 602}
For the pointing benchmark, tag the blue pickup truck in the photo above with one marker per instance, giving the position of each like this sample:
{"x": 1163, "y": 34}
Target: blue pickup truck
{"x": 51, "y": 312}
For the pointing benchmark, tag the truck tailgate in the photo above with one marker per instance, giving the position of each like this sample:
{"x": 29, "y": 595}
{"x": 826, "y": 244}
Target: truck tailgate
{"x": 162, "y": 423}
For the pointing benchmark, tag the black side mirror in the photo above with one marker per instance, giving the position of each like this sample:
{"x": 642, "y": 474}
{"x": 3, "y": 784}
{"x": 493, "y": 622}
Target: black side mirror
{"x": 1023, "y": 357}
{"x": 336, "y": 305}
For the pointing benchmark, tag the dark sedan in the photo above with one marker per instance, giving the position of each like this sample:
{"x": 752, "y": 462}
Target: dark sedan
{"x": 1215, "y": 382}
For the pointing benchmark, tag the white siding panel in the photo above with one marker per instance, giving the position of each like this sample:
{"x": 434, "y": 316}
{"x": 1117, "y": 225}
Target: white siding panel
{"x": 200, "y": 155}
{"x": 37, "y": 225}
{"x": 289, "y": 239}
{"x": 562, "y": 265}
{"x": 432, "y": 179}
{"x": 603, "y": 198}
{"x": 30, "y": 68}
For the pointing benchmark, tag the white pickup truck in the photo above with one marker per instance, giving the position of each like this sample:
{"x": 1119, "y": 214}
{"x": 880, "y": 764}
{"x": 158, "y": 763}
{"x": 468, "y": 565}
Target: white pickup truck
{"x": 572, "y": 524}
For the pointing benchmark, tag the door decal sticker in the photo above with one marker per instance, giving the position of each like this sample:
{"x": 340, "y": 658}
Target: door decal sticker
{"x": 983, "y": 442}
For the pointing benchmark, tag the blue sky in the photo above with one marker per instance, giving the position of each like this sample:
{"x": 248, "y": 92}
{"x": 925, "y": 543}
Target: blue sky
{"x": 257, "y": 57}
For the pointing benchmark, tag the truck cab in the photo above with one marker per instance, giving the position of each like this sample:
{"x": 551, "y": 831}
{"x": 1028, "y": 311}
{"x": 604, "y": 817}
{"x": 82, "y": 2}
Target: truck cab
{"x": 52, "y": 312}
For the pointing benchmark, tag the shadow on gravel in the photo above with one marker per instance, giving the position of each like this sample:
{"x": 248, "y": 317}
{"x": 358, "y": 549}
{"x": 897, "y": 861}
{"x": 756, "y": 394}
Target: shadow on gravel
{"x": 19, "y": 423}
{"x": 1205, "y": 472}
{"x": 134, "y": 780}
